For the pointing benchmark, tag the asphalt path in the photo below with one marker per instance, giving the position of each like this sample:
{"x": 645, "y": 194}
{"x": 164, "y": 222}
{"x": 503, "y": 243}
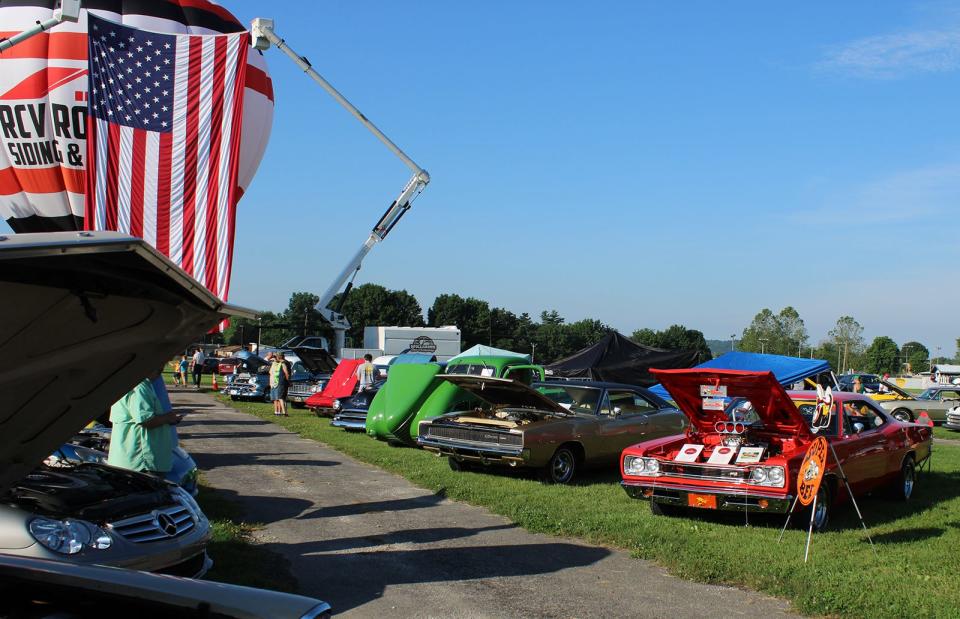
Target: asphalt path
{"x": 372, "y": 544}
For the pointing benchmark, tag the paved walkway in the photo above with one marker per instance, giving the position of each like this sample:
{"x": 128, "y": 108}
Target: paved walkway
{"x": 371, "y": 544}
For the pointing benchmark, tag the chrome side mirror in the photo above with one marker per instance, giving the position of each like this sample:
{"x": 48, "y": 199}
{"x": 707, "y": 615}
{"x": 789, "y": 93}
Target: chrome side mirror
{"x": 617, "y": 411}
{"x": 858, "y": 427}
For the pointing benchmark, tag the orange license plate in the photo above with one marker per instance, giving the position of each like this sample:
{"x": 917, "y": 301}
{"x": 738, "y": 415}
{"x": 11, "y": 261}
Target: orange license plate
{"x": 703, "y": 501}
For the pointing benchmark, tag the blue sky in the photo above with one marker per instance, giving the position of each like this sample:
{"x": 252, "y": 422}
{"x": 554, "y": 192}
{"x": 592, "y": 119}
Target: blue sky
{"x": 642, "y": 163}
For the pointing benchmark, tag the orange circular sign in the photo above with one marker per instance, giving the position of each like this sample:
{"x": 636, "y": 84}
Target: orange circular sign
{"x": 811, "y": 471}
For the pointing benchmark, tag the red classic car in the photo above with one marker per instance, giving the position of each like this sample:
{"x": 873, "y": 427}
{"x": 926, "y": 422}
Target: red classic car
{"x": 747, "y": 438}
{"x": 342, "y": 384}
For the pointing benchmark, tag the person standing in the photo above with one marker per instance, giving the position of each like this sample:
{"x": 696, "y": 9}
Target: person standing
{"x": 183, "y": 369}
{"x": 198, "y": 359}
{"x": 857, "y": 385}
{"x": 279, "y": 381}
{"x": 175, "y": 366}
{"x": 365, "y": 372}
{"x": 141, "y": 439}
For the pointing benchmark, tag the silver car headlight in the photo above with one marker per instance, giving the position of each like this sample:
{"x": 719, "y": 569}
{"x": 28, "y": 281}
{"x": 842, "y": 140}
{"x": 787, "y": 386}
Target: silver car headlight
{"x": 634, "y": 465}
{"x": 336, "y": 405}
{"x": 772, "y": 476}
{"x": 68, "y": 536}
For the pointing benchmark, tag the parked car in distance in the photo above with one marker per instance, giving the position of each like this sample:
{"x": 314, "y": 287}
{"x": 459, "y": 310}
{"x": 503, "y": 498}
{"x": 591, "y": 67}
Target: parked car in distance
{"x": 227, "y": 365}
{"x": 350, "y": 413}
{"x": 556, "y": 428}
{"x": 743, "y": 451}
{"x": 936, "y": 401}
{"x": 870, "y": 382}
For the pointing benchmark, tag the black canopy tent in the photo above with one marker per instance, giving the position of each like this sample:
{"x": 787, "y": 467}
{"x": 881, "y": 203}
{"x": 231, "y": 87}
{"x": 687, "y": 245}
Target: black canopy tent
{"x": 618, "y": 359}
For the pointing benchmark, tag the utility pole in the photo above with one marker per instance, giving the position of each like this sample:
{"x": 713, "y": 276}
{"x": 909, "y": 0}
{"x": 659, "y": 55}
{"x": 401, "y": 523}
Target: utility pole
{"x": 306, "y": 314}
{"x": 732, "y": 340}
{"x": 533, "y": 353}
{"x": 763, "y": 344}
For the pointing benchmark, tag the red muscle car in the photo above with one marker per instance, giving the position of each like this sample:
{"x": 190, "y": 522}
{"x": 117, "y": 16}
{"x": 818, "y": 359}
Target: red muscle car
{"x": 342, "y": 384}
{"x": 747, "y": 438}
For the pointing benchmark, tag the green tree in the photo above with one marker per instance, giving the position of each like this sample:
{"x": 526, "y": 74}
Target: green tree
{"x": 847, "y": 335}
{"x": 583, "y": 333}
{"x": 791, "y": 332}
{"x": 503, "y": 324}
{"x": 882, "y": 356}
{"x": 301, "y": 317}
{"x": 524, "y": 334}
{"x": 917, "y": 356}
{"x": 674, "y": 337}
{"x": 761, "y": 334}
{"x": 553, "y": 342}
{"x": 470, "y": 315}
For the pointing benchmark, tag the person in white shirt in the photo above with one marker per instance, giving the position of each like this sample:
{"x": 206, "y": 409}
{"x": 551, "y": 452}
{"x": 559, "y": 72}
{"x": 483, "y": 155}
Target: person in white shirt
{"x": 198, "y": 359}
{"x": 365, "y": 372}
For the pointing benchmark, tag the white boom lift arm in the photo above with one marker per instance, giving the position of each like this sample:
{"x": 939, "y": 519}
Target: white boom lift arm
{"x": 263, "y": 37}
{"x": 68, "y": 10}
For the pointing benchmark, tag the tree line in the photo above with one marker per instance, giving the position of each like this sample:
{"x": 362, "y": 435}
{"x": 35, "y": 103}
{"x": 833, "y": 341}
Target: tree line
{"x": 547, "y": 338}
{"x": 784, "y": 333}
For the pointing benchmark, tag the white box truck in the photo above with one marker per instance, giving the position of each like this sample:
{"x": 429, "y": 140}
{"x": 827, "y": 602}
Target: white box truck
{"x": 444, "y": 342}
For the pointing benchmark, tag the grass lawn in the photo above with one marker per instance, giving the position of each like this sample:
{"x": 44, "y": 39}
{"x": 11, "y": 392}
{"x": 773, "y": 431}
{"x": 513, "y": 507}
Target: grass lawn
{"x": 909, "y": 575}
{"x": 236, "y": 559}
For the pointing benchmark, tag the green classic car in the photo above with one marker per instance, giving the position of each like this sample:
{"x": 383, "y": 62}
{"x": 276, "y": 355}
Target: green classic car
{"x": 414, "y": 393}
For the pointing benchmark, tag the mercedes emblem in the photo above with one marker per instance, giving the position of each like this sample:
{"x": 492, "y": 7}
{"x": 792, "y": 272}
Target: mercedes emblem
{"x": 166, "y": 524}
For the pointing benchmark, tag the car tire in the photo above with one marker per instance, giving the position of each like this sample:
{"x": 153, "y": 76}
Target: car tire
{"x": 902, "y": 414}
{"x": 561, "y": 468}
{"x": 906, "y": 481}
{"x": 822, "y": 518}
{"x": 662, "y": 509}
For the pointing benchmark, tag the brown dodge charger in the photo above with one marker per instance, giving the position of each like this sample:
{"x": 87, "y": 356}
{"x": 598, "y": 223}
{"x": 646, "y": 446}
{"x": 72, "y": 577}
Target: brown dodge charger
{"x": 553, "y": 427}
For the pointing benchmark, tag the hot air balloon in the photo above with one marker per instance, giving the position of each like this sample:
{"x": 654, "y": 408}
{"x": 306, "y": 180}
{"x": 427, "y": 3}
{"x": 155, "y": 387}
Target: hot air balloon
{"x": 43, "y": 103}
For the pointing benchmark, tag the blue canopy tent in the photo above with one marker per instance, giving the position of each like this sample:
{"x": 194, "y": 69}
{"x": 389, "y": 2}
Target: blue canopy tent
{"x": 788, "y": 370}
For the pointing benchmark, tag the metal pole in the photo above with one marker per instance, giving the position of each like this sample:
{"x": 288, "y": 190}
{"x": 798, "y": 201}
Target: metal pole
{"x": 813, "y": 513}
{"x": 846, "y": 483}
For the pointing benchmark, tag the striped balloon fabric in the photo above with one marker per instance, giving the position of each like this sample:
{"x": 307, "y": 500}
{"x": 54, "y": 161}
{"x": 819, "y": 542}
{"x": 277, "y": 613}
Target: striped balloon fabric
{"x": 163, "y": 138}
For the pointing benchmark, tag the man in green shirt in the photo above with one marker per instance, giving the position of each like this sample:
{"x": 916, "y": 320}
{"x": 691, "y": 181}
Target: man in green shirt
{"x": 141, "y": 439}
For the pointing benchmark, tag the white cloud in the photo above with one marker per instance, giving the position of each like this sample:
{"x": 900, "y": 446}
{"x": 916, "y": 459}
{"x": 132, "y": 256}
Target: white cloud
{"x": 892, "y": 56}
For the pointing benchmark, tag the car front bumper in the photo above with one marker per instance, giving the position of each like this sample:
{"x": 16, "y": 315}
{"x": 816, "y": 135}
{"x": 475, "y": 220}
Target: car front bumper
{"x": 348, "y": 419}
{"x": 240, "y": 392}
{"x": 473, "y": 452}
{"x": 747, "y": 499}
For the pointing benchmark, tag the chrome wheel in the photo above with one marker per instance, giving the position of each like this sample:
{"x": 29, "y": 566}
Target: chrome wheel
{"x": 902, "y": 414}
{"x": 562, "y": 466}
{"x": 909, "y": 478}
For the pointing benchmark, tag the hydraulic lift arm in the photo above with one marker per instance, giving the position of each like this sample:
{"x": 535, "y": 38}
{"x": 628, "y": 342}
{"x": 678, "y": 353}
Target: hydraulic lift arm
{"x": 263, "y": 37}
{"x": 68, "y": 10}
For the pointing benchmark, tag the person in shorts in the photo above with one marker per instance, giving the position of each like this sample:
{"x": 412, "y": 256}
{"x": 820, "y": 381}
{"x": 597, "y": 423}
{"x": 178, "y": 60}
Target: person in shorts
{"x": 279, "y": 382}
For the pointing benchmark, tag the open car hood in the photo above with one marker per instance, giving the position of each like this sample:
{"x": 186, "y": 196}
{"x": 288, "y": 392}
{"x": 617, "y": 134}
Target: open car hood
{"x": 505, "y": 393}
{"x": 770, "y": 400}
{"x": 316, "y": 360}
{"x": 85, "y": 317}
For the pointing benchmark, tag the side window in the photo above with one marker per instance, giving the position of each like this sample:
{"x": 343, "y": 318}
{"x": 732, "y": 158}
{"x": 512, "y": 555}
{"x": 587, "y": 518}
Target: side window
{"x": 950, "y": 395}
{"x": 860, "y": 412}
{"x": 629, "y": 403}
{"x": 605, "y": 408}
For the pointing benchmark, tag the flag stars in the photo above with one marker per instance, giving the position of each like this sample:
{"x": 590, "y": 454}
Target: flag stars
{"x": 163, "y": 123}
{"x": 139, "y": 48}
{"x": 166, "y": 46}
{"x": 166, "y": 61}
{"x": 149, "y": 43}
{"x": 155, "y": 115}
{"x": 112, "y": 34}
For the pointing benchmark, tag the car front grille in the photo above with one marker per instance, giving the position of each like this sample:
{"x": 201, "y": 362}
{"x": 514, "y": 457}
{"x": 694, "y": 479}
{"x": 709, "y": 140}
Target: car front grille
{"x": 953, "y": 417}
{"x": 474, "y": 435}
{"x": 301, "y": 388}
{"x": 164, "y": 523}
{"x": 736, "y": 475}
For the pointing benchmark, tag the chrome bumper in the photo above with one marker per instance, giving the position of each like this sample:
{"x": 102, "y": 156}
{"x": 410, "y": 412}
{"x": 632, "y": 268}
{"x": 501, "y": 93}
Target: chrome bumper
{"x": 471, "y": 451}
{"x": 349, "y": 424}
{"x": 752, "y": 500}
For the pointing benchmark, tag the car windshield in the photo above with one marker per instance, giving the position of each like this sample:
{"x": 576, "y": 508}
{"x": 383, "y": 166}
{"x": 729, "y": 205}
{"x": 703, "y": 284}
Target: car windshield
{"x": 577, "y": 399}
{"x": 476, "y": 369}
{"x": 928, "y": 394}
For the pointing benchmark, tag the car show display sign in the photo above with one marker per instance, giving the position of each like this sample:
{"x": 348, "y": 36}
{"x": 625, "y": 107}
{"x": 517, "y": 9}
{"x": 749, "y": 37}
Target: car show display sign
{"x": 811, "y": 471}
{"x": 750, "y": 455}
{"x": 688, "y": 453}
{"x": 721, "y": 455}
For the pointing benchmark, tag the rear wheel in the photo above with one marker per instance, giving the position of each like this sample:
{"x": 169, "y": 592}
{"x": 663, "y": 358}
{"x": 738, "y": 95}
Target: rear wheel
{"x": 903, "y": 487}
{"x": 561, "y": 467}
{"x": 903, "y": 414}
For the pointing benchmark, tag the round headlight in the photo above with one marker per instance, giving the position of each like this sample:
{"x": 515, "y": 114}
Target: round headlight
{"x": 651, "y": 465}
{"x": 633, "y": 465}
{"x": 775, "y": 475}
{"x": 758, "y": 475}
{"x": 64, "y": 536}
{"x": 336, "y": 405}
{"x": 316, "y": 388}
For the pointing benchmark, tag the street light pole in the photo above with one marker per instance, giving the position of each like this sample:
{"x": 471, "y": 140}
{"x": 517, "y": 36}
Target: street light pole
{"x": 763, "y": 345}
{"x": 732, "y": 340}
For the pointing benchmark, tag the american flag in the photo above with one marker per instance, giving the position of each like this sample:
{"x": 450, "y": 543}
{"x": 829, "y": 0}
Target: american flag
{"x": 163, "y": 141}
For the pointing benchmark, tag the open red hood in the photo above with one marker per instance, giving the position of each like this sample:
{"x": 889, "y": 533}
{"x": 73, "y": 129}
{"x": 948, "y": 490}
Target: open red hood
{"x": 768, "y": 396}
{"x": 341, "y": 384}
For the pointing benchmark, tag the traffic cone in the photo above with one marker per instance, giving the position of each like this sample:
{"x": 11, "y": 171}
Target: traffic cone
{"x": 215, "y": 386}
{"x": 924, "y": 419}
